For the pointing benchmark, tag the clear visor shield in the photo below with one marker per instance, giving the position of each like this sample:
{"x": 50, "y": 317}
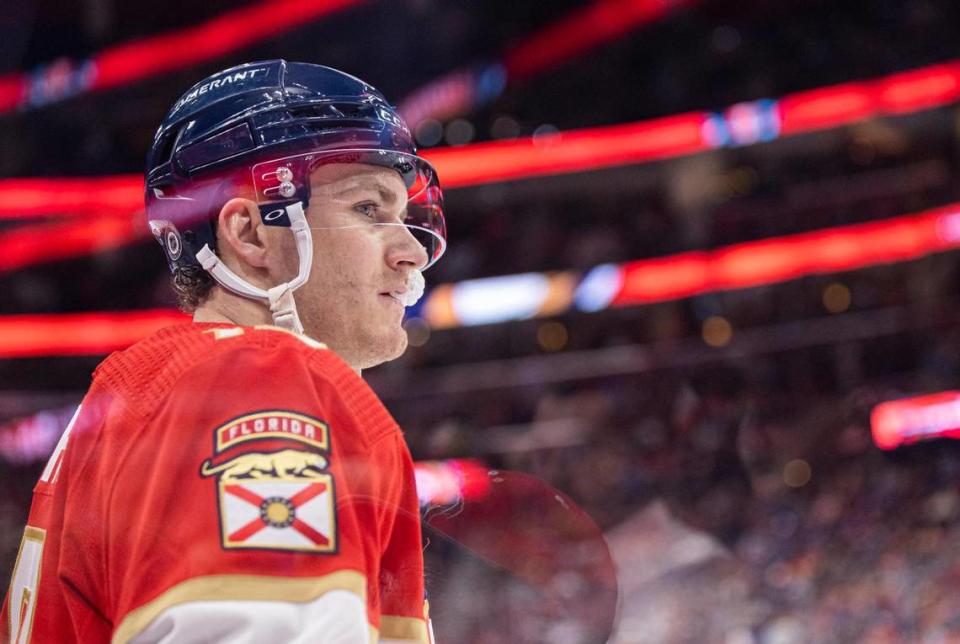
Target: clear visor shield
{"x": 341, "y": 196}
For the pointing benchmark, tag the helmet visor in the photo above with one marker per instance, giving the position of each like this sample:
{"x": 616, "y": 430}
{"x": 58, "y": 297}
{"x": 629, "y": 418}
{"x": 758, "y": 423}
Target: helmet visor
{"x": 302, "y": 178}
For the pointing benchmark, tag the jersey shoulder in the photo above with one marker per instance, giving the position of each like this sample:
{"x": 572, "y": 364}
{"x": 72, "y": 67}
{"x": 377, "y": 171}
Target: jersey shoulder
{"x": 205, "y": 358}
{"x": 285, "y": 348}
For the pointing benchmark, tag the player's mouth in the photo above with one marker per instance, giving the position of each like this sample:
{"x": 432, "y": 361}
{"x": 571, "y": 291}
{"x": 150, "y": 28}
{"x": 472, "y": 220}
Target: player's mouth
{"x": 394, "y": 296}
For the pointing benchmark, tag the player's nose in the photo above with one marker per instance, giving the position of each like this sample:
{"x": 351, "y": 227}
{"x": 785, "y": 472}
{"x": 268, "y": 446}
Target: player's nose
{"x": 404, "y": 250}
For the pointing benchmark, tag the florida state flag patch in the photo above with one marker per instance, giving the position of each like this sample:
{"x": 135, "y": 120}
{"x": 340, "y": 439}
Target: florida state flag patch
{"x": 273, "y": 488}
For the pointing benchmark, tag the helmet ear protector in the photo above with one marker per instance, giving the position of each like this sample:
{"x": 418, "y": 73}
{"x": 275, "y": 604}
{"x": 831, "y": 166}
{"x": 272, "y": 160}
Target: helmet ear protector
{"x": 260, "y": 129}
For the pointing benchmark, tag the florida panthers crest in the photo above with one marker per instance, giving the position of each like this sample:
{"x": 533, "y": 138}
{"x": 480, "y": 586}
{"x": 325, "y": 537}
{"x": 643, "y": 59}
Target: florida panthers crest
{"x": 274, "y": 491}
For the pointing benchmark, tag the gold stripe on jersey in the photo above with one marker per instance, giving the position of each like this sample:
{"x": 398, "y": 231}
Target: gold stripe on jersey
{"x": 407, "y": 629}
{"x": 34, "y": 534}
{"x": 29, "y": 595}
{"x": 240, "y": 588}
{"x": 225, "y": 334}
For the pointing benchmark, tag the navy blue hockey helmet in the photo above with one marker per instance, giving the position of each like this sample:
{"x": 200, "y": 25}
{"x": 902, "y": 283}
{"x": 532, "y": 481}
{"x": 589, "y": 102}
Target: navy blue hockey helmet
{"x": 258, "y": 130}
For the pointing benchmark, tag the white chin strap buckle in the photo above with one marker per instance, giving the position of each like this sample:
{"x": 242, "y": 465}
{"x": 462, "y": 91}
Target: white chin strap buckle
{"x": 284, "y": 308}
{"x": 280, "y": 297}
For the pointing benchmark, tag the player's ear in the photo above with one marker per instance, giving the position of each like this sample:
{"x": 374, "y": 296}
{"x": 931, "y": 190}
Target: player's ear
{"x": 241, "y": 233}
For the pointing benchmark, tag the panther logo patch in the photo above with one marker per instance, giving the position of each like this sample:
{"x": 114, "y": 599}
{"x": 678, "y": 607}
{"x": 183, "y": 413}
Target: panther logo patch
{"x": 273, "y": 488}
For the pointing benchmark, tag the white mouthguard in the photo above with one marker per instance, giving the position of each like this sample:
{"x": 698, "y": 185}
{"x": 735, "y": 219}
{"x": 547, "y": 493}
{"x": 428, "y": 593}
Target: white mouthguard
{"x": 415, "y": 288}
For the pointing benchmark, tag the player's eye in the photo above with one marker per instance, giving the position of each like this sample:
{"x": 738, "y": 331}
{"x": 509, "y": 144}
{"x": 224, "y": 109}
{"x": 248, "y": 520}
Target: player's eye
{"x": 368, "y": 209}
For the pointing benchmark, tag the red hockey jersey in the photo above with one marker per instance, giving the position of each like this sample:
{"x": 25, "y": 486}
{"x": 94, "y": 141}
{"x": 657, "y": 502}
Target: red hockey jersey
{"x": 216, "y": 478}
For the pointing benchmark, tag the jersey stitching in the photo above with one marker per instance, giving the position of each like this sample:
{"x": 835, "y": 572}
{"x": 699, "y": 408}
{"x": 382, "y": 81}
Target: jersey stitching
{"x": 358, "y": 393}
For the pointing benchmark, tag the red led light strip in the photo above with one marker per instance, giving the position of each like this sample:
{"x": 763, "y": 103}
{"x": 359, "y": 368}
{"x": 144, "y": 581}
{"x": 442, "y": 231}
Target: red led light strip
{"x": 570, "y": 151}
{"x": 902, "y": 93}
{"x": 647, "y": 281}
{"x": 74, "y": 196}
{"x": 154, "y": 55}
{"x": 784, "y": 258}
{"x": 574, "y": 34}
{"x": 582, "y": 30}
{"x": 909, "y": 420}
{"x": 29, "y": 245}
{"x": 79, "y": 333}
{"x": 229, "y": 32}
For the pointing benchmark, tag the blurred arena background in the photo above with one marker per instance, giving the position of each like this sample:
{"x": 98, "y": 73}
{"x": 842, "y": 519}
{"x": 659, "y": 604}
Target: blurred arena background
{"x": 703, "y": 279}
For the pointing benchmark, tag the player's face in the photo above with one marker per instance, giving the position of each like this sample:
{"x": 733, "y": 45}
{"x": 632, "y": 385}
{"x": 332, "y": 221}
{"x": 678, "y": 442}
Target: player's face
{"x": 346, "y": 303}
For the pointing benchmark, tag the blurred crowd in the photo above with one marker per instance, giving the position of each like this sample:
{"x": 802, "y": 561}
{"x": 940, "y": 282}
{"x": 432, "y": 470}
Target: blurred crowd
{"x": 735, "y": 513}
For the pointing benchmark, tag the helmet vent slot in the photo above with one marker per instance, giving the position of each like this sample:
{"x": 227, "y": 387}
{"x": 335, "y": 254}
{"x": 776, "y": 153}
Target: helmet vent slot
{"x": 165, "y": 148}
{"x": 334, "y": 111}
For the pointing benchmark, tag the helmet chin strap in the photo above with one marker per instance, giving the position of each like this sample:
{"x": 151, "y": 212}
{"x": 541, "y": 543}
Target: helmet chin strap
{"x": 280, "y": 297}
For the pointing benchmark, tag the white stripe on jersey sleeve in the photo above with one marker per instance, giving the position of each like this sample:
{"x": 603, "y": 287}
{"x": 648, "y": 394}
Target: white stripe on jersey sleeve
{"x": 337, "y": 617}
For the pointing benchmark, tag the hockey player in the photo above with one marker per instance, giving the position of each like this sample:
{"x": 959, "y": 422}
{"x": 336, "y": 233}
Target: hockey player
{"x": 234, "y": 479}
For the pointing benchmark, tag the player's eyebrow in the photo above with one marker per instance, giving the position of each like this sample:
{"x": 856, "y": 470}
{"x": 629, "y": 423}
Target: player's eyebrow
{"x": 386, "y": 194}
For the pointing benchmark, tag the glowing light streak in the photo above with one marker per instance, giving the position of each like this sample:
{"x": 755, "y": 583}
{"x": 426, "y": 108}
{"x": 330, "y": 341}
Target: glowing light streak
{"x": 909, "y": 420}
{"x": 153, "y": 55}
{"x": 744, "y": 265}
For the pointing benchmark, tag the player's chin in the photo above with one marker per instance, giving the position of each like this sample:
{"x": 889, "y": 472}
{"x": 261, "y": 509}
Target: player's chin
{"x": 386, "y": 347}
{"x": 397, "y": 343}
